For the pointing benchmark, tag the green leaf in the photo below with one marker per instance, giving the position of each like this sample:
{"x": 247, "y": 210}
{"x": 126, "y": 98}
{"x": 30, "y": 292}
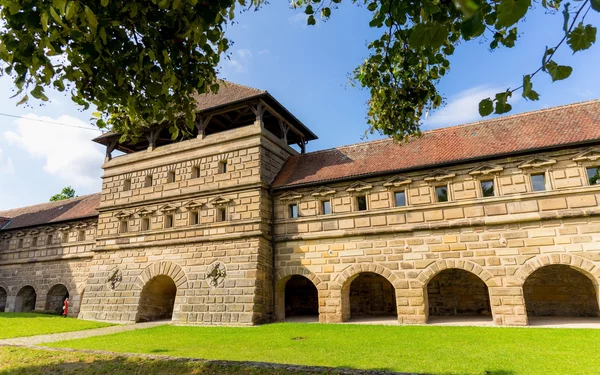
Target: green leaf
{"x": 154, "y": 89}
{"x": 326, "y": 12}
{"x": 511, "y": 11}
{"x": 430, "y": 34}
{"x": 486, "y": 107}
{"x": 97, "y": 114}
{"x": 70, "y": 10}
{"x": 582, "y": 37}
{"x": 38, "y": 93}
{"x": 23, "y": 100}
{"x": 104, "y": 3}
{"x": 311, "y": 20}
{"x": 472, "y": 27}
{"x": 372, "y": 6}
{"x": 566, "y": 18}
{"x": 44, "y": 21}
{"x": 59, "y": 5}
{"x": 502, "y": 105}
{"x": 558, "y": 72}
{"x": 91, "y": 18}
{"x": 528, "y": 92}
{"x": 595, "y": 5}
{"x": 55, "y": 16}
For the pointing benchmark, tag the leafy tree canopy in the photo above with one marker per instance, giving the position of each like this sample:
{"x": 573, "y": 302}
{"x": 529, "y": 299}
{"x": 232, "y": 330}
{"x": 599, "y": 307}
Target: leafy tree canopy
{"x": 140, "y": 62}
{"x": 66, "y": 193}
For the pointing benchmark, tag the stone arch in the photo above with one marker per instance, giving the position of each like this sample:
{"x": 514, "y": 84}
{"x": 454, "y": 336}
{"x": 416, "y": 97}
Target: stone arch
{"x": 579, "y": 267}
{"x": 344, "y": 281}
{"x": 440, "y": 265}
{"x": 282, "y": 277}
{"x": 26, "y": 299}
{"x": 55, "y": 298}
{"x": 3, "y": 298}
{"x": 166, "y": 268}
{"x": 583, "y": 265}
{"x": 160, "y": 284}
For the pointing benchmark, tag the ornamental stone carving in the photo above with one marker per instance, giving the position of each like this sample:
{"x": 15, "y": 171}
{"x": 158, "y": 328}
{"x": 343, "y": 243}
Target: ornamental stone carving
{"x": 114, "y": 278}
{"x": 215, "y": 275}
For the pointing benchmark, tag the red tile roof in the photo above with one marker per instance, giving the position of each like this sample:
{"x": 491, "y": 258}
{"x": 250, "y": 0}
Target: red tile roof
{"x": 548, "y": 128}
{"x": 229, "y": 92}
{"x": 52, "y": 212}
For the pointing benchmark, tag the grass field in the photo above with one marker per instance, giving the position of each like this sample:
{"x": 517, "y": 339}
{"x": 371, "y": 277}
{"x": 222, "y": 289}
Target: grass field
{"x": 437, "y": 350}
{"x": 19, "y": 361}
{"x": 21, "y": 324}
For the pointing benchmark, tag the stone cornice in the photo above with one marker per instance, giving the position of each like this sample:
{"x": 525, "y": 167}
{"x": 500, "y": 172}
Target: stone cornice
{"x": 48, "y": 259}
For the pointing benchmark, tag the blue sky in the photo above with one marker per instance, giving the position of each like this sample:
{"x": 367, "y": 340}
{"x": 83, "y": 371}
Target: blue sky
{"x": 306, "y": 68}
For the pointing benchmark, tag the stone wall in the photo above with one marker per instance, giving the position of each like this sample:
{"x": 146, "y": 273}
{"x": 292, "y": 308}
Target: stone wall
{"x": 500, "y": 239}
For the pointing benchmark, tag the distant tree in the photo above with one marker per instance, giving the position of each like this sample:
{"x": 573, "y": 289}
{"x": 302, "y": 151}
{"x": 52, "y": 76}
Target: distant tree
{"x": 141, "y": 62}
{"x": 66, "y": 193}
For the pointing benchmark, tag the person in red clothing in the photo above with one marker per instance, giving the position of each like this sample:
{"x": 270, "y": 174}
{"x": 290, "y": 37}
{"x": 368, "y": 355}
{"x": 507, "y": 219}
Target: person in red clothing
{"x": 66, "y": 307}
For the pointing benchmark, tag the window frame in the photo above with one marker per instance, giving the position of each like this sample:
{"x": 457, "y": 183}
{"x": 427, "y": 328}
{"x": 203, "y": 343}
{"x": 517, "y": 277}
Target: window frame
{"x": 195, "y": 172}
{"x": 597, "y": 168}
{"x": 168, "y": 221}
{"x": 145, "y": 224}
{"x": 436, "y": 195}
{"x": 34, "y": 242}
{"x": 403, "y": 191}
{"x": 65, "y": 237}
{"x": 223, "y": 167}
{"x": 545, "y": 177}
{"x": 81, "y": 235}
{"x": 322, "y": 207}
{"x": 148, "y": 181}
{"x": 194, "y": 217}
{"x": 222, "y": 215}
{"x": 171, "y": 176}
{"x": 123, "y": 226}
{"x": 290, "y": 210}
{"x": 494, "y": 187}
{"x": 127, "y": 184}
{"x": 49, "y": 238}
{"x": 357, "y": 204}
{"x": 20, "y": 243}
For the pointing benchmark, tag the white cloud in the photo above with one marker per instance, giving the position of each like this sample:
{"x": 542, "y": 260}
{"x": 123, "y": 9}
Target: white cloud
{"x": 68, "y": 152}
{"x": 6, "y": 164}
{"x": 463, "y": 107}
{"x": 239, "y": 62}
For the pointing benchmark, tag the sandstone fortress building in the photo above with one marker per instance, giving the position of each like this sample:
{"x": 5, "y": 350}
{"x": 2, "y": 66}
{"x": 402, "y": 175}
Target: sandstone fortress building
{"x": 496, "y": 220}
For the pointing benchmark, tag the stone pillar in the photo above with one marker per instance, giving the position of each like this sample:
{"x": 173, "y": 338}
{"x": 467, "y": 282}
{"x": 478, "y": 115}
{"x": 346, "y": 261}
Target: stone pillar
{"x": 508, "y": 305}
{"x": 412, "y": 303}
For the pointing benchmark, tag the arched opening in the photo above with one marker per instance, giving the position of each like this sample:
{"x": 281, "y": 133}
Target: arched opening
{"x": 372, "y": 298}
{"x": 458, "y": 293}
{"x": 2, "y": 299}
{"x": 25, "y": 300}
{"x": 301, "y": 299}
{"x": 56, "y": 297}
{"x": 157, "y": 299}
{"x": 560, "y": 291}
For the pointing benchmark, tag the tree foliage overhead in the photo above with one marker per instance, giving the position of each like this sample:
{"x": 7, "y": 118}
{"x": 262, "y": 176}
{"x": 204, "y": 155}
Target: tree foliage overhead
{"x": 141, "y": 61}
{"x": 66, "y": 193}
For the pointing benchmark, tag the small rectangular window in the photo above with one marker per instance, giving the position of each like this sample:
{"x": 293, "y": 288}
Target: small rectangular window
{"x": 127, "y": 185}
{"x": 326, "y": 207}
{"x": 293, "y": 211}
{"x": 145, "y": 224}
{"x": 593, "y": 177}
{"x": 487, "y": 188}
{"x": 123, "y": 226}
{"x": 223, "y": 166}
{"x": 34, "y": 241}
{"x": 5, "y": 245}
{"x": 148, "y": 181}
{"x": 49, "y": 239}
{"x": 65, "y": 237}
{"x": 168, "y": 221}
{"x": 194, "y": 218}
{"x": 361, "y": 203}
{"x": 222, "y": 214}
{"x": 81, "y": 235}
{"x": 195, "y": 172}
{"x": 171, "y": 177}
{"x": 538, "y": 182}
{"x": 20, "y": 243}
{"x": 441, "y": 193}
{"x": 400, "y": 199}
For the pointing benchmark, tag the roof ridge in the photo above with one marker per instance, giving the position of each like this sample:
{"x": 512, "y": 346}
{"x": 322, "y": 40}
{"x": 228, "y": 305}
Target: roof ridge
{"x": 57, "y": 203}
{"x": 448, "y": 128}
{"x": 527, "y": 113}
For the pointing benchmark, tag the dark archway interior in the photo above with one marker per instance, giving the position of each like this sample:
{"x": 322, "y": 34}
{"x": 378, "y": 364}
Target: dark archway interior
{"x": 157, "y": 299}
{"x": 372, "y": 294}
{"x": 559, "y": 290}
{"x": 457, "y": 292}
{"x": 2, "y": 300}
{"x": 301, "y": 297}
{"x": 25, "y": 301}
{"x": 56, "y": 298}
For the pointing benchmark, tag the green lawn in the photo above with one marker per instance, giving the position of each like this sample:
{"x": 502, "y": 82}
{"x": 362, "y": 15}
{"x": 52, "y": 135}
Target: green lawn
{"x": 437, "y": 350}
{"x": 28, "y": 324}
{"x": 19, "y": 361}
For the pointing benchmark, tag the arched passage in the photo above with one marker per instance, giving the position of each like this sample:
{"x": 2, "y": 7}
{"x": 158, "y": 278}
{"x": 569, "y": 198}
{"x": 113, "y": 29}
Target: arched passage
{"x": 370, "y": 296}
{"x": 301, "y": 298}
{"x": 56, "y": 297}
{"x": 2, "y": 299}
{"x": 561, "y": 291}
{"x": 25, "y": 300}
{"x": 456, "y": 292}
{"x": 157, "y": 299}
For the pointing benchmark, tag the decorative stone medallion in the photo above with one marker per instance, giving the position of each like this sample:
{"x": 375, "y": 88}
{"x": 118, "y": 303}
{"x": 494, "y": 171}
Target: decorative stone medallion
{"x": 114, "y": 278}
{"x": 215, "y": 275}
